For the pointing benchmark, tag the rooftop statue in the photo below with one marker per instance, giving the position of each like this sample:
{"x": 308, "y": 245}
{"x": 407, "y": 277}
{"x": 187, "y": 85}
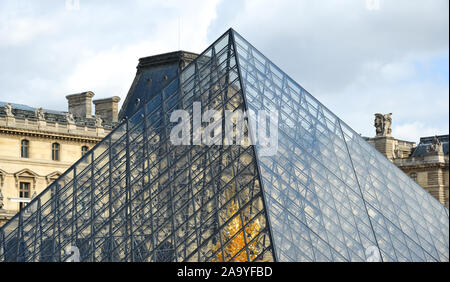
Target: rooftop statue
{"x": 70, "y": 119}
{"x": 436, "y": 145}
{"x": 98, "y": 121}
{"x": 39, "y": 114}
{"x": 383, "y": 124}
{"x": 8, "y": 110}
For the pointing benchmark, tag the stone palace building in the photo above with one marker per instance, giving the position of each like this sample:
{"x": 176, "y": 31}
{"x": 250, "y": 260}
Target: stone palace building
{"x": 37, "y": 145}
{"x": 426, "y": 163}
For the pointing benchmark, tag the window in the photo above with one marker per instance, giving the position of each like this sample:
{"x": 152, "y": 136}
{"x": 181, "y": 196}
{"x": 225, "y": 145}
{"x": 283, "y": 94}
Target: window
{"x": 24, "y": 192}
{"x": 25, "y": 145}
{"x": 55, "y": 151}
{"x": 84, "y": 150}
{"x": 413, "y": 176}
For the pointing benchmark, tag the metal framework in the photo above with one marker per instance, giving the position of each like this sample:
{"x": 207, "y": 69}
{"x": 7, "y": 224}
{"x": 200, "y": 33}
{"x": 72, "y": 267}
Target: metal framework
{"x": 326, "y": 195}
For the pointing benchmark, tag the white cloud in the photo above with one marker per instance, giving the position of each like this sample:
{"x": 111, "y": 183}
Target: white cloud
{"x": 19, "y": 31}
{"x": 64, "y": 52}
{"x": 109, "y": 72}
{"x": 354, "y": 60}
{"x": 409, "y": 131}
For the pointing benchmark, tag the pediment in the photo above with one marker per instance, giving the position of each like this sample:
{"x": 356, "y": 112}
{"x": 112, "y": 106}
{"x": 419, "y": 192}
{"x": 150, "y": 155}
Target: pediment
{"x": 54, "y": 175}
{"x": 25, "y": 173}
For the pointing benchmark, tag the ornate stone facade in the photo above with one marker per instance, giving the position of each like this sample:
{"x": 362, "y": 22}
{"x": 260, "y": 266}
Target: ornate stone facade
{"x": 427, "y": 163}
{"x": 38, "y": 145}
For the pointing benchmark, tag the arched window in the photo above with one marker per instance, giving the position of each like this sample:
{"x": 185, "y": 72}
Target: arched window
{"x": 55, "y": 151}
{"x": 413, "y": 176}
{"x": 24, "y": 148}
{"x": 84, "y": 150}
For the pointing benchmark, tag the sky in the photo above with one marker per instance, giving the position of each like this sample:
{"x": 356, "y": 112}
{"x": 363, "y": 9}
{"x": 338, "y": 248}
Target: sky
{"x": 358, "y": 57}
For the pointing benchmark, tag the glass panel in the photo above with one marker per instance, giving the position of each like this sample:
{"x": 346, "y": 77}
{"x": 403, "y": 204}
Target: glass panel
{"x": 324, "y": 194}
{"x": 138, "y": 197}
{"x": 330, "y": 195}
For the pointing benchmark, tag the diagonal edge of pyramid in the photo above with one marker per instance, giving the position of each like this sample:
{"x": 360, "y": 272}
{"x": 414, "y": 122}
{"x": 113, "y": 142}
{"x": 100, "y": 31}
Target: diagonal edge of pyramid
{"x": 341, "y": 122}
{"x": 349, "y": 136}
{"x": 90, "y": 157}
{"x": 231, "y": 37}
{"x": 85, "y": 157}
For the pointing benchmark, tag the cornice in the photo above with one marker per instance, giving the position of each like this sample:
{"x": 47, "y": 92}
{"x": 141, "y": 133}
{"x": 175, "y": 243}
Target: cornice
{"x": 50, "y": 135}
{"x": 424, "y": 166}
{"x": 56, "y": 165}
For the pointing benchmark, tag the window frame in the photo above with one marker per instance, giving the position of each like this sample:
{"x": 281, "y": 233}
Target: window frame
{"x": 25, "y": 148}
{"x": 413, "y": 176}
{"x": 24, "y": 187}
{"x": 56, "y": 150}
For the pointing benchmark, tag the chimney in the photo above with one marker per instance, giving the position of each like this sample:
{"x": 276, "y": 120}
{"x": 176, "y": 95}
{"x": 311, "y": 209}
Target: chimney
{"x": 107, "y": 108}
{"x": 80, "y": 105}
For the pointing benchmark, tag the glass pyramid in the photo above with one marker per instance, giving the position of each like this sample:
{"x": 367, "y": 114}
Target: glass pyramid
{"x": 325, "y": 195}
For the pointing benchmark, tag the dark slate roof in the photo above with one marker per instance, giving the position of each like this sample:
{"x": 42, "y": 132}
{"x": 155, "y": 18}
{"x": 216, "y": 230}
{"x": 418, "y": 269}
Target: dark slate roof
{"x": 25, "y": 111}
{"x": 166, "y": 58}
{"x": 28, "y": 108}
{"x": 425, "y": 142}
{"x": 153, "y": 74}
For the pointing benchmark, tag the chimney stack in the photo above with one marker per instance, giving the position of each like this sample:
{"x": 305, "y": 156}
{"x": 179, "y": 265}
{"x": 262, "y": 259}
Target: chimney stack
{"x": 80, "y": 105}
{"x": 107, "y": 109}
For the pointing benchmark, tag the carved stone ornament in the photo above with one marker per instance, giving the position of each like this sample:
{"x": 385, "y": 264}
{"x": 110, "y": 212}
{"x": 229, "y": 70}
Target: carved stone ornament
{"x": 8, "y": 110}
{"x": 436, "y": 145}
{"x": 70, "y": 119}
{"x": 383, "y": 124}
{"x": 98, "y": 121}
{"x": 39, "y": 114}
